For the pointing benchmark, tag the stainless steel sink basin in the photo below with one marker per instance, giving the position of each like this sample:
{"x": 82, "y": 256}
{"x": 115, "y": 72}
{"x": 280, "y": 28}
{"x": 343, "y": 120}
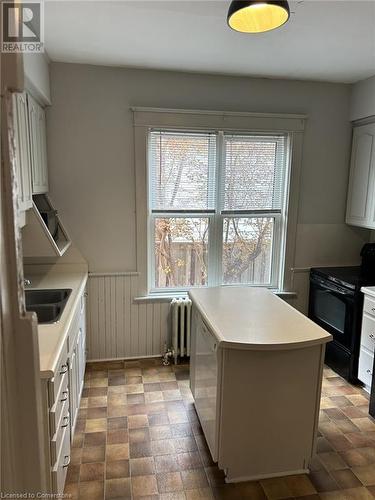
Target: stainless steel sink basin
{"x": 47, "y": 304}
{"x": 34, "y": 297}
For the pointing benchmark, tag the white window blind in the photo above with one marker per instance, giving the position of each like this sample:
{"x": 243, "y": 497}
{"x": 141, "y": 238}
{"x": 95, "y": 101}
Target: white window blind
{"x": 182, "y": 171}
{"x": 253, "y": 173}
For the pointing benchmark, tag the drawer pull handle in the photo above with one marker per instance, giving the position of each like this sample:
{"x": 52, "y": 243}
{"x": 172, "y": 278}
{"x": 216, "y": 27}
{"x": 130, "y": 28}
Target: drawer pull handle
{"x": 66, "y": 461}
{"x": 64, "y": 369}
{"x": 65, "y": 394}
{"x": 368, "y": 371}
{"x": 66, "y": 421}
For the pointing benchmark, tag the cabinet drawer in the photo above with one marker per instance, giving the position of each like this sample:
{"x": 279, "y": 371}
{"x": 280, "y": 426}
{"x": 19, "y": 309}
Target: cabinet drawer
{"x": 58, "y": 407}
{"x": 61, "y": 369}
{"x": 63, "y": 424}
{"x": 61, "y": 466}
{"x": 369, "y": 306}
{"x": 365, "y": 367}
{"x": 368, "y": 333}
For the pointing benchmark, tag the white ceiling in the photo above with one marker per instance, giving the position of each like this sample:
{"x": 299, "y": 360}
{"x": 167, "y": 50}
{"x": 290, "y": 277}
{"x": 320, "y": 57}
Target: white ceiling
{"x": 331, "y": 40}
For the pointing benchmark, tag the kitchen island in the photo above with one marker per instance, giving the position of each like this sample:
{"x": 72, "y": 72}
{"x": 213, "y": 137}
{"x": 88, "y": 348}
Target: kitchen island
{"x": 256, "y": 373}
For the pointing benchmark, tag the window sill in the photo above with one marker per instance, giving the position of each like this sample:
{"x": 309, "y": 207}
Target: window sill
{"x": 162, "y": 297}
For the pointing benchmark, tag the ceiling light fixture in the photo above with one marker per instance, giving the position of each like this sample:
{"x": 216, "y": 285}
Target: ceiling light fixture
{"x": 257, "y": 16}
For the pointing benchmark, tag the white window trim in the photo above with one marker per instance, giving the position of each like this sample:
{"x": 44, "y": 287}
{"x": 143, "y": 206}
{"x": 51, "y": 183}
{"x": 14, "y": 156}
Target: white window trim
{"x": 146, "y": 118}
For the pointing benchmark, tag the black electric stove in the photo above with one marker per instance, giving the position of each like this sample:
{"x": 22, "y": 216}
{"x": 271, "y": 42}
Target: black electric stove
{"x": 336, "y": 304}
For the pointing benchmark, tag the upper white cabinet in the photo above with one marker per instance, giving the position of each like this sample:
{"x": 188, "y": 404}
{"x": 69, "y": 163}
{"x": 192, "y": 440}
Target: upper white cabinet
{"x": 22, "y": 151}
{"x": 38, "y": 146}
{"x": 361, "y": 201}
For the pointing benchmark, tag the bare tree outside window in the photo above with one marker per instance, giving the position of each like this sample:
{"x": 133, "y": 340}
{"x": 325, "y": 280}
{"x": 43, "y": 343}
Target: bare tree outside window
{"x": 181, "y": 252}
{"x": 247, "y": 250}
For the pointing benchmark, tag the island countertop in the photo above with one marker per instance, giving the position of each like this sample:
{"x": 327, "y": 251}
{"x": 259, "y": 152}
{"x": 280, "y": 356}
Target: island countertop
{"x": 254, "y": 318}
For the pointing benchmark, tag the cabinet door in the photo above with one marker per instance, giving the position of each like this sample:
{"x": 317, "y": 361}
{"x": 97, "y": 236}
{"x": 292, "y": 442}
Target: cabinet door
{"x": 81, "y": 347}
{"x": 73, "y": 392}
{"x": 360, "y": 206}
{"x": 37, "y": 122}
{"x": 206, "y": 382}
{"x": 22, "y": 150}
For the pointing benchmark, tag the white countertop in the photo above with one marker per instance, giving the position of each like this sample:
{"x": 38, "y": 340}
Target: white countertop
{"x": 52, "y": 336}
{"x": 368, "y": 290}
{"x": 254, "y": 318}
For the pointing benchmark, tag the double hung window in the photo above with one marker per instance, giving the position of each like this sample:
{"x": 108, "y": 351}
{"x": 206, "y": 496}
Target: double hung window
{"x": 216, "y": 208}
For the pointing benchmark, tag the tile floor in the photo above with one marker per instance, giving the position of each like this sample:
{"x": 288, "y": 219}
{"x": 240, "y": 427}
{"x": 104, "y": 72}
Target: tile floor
{"x": 138, "y": 436}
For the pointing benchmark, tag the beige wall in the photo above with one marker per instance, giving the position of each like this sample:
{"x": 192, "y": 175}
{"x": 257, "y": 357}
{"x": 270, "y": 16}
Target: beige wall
{"x": 90, "y": 147}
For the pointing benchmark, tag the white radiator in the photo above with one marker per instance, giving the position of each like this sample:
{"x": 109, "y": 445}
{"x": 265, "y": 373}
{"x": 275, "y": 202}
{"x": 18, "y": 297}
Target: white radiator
{"x": 181, "y": 319}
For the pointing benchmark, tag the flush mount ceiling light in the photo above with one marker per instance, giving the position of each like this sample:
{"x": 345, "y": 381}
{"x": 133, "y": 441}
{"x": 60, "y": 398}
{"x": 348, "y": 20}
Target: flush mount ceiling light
{"x": 254, "y": 16}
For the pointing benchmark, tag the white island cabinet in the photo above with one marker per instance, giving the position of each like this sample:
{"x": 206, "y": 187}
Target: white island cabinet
{"x": 256, "y": 373}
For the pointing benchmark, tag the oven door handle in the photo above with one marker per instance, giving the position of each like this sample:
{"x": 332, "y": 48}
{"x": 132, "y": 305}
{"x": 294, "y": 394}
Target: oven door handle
{"x": 333, "y": 289}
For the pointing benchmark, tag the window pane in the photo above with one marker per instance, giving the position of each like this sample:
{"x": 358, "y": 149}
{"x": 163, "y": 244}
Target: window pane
{"x": 247, "y": 250}
{"x": 254, "y": 172}
{"x": 180, "y": 252}
{"x": 182, "y": 170}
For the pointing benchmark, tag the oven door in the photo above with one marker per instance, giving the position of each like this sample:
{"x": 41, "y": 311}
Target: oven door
{"x": 332, "y": 307}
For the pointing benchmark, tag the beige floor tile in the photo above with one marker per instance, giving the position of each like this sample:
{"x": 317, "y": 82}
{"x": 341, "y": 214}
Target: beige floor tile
{"x": 96, "y": 425}
{"x": 365, "y": 424}
{"x": 366, "y": 474}
{"x": 144, "y": 486}
{"x": 142, "y": 466}
{"x": 117, "y": 452}
{"x": 348, "y": 494}
{"x": 276, "y": 488}
{"x": 160, "y": 432}
{"x": 346, "y": 479}
{"x": 93, "y": 454}
{"x": 162, "y": 447}
{"x": 300, "y": 485}
{"x": 199, "y": 494}
{"x": 166, "y": 463}
{"x": 117, "y": 469}
{"x": 332, "y": 461}
{"x": 194, "y": 478}
{"x": 169, "y": 481}
{"x": 153, "y": 397}
{"x": 137, "y": 421}
{"x": 118, "y": 488}
{"x": 91, "y": 490}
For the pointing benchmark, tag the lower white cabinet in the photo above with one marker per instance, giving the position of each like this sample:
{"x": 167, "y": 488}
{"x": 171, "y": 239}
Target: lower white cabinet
{"x": 61, "y": 397}
{"x": 366, "y": 353}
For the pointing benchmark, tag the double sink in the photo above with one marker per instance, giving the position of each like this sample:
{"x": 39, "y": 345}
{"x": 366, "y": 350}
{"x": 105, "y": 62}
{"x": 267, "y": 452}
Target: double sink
{"x": 47, "y": 304}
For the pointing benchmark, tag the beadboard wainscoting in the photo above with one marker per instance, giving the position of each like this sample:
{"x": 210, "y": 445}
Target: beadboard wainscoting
{"x": 118, "y": 328}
